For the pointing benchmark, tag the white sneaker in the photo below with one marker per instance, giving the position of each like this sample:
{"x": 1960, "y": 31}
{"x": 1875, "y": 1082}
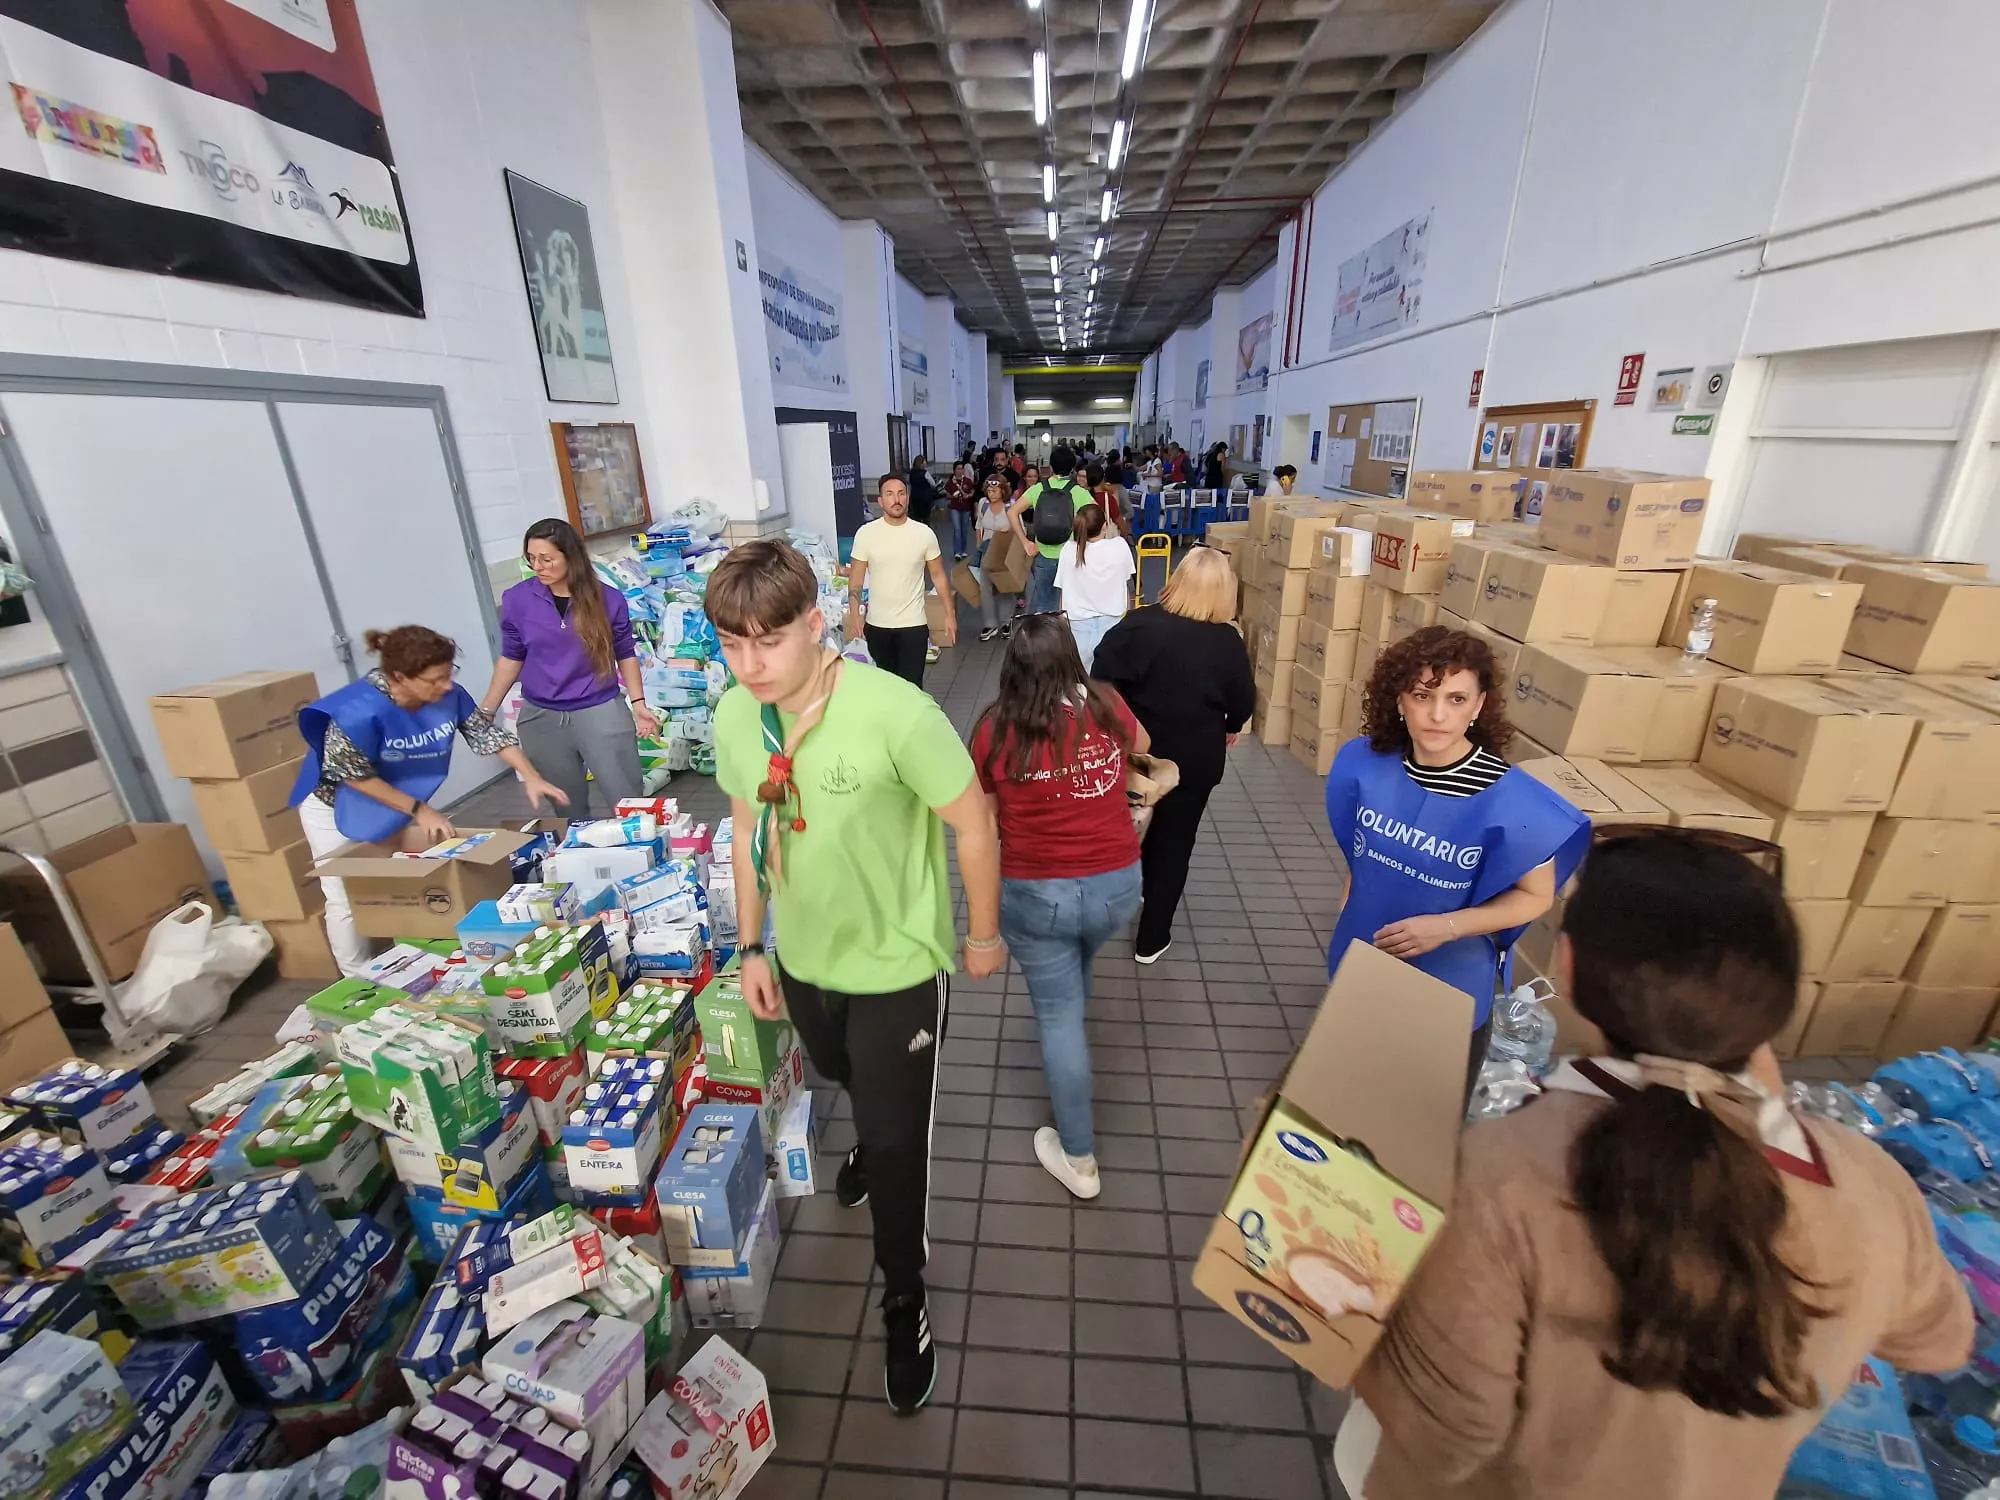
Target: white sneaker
{"x": 1152, "y": 958}
{"x": 1077, "y": 1173}
{"x": 930, "y": 654}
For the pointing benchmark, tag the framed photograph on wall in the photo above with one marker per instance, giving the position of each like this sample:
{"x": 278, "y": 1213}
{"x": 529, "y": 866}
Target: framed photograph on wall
{"x": 565, "y": 297}
{"x": 899, "y": 445}
{"x": 603, "y": 481}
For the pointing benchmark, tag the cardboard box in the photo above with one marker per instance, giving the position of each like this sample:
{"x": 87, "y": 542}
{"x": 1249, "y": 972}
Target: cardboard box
{"x": 1910, "y": 862}
{"x": 1506, "y": 650}
{"x": 1316, "y": 705}
{"x": 1755, "y": 546}
{"x": 1520, "y": 750}
{"x": 1625, "y": 518}
{"x": 30, "y": 1047}
{"x": 1786, "y": 1043}
{"x": 1284, "y": 590}
{"x": 1876, "y": 943}
{"x": 1366, "y": 650}
{"x": 1412, "y": 550}
{"x": 1926, "y": 620}
{"x": 254, "y": 813}
{"x": 1344, "y": 552}
{"x": 1596, "y": 790}
{"x": 1687, "y": 695}
{"x": 1979, "y": 882}
{"x": 965, "y": 583}
{"x": 1378, "y": 611}
{"x": 122, "y": 881}
{"x": 1926, "y": 1019}
{"x": 1770, "y": 621}
{"x": 1476, "y": 494}
{"x": 1350, "y": 713}
{"x": 1465, "y": 575}
{"x": 1635, "y": 609}
{"x": 1383, "y": 1067}
{"x": 1820, "y": 924}
{"x": 937, "y": 615}
{"x": 1578, "y": 701}
{"x": 1007, "y": 563}
{"x": 1693, "y": 800}
{"x": 1294, "y": 539}
{"x": 219, "y": 731}
{"x": 1412, "y": 612}
{"x": 422, "y": 898}
{"x": 1272, "y": 723}
{"x": 1960, "y": 947}
{"x": 1805, "y": 744}
{"x": 1264, "y": 516}
{"x": 1822, "y": 850}
{"x": 1327, "y": 654}
{"x": 22, "y": 996}
{"x": 1278, "y": 638}
{"x": 1952, "y": 769}
{"x": 1312, "y": 746}
{"x": 1542, "y": 597}
{"x": 1817, "y": 561}
{"x": 282, "y": 885}
{"x": 1850, "y": 1020}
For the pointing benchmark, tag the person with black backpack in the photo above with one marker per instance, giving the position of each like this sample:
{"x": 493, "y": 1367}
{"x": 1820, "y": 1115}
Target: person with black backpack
{"x": 1053, "y": 504}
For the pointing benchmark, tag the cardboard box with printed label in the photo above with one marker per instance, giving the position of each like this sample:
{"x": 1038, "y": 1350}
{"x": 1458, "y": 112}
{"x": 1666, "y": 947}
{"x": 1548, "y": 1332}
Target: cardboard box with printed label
{"x": 219, "y": 731}
{"x": 1876, "y": 943}
{"x": 1007, "y": 563}
{"x": 1350, "y": 713}
{"x": 1506, "y": 650}
{"x": 1294, "y": 540}
{"x": 302, "y": 950}
{"x": 1344, "y": 552}
{"x": 1264, "y": 516}
{"x": 1542, "y": 597}
{"x": 1577, "y": 701}
{"x": 1755, "y": 546}
{"x": 1910, "y": 862}
{"x": 1316, "y": 704}
{"x": 1979, "y": 882}
{"x": 1520, "y": 750}
{"x": 122, "y": 881}
{"x": 1465, "y": 574}
{"x": 1674, "y": 629}
{"x": 1952, "y": 768}
{"x": 1284, "y": 590}
{"x": 255, "y": 813}
{"x": 1273, "y": 721}
{"x": 1327, "y": 654}
{"x": 1820, "y": 923}
{"x": 1960, "y": 947}
{"x": 1635, "y": 609}
{"x": 1412, "y": 550}
{"x": 1476, "y": 494}
{"x": 1602, "y": 794}
{"x": 282, "y": 886}
{"x": 1786, "y": 1043}
{"x": 423, "y": 898}
{"x": 1382, "y": 1070}
{"x": 1687, "y": 696}
{"x": 1925, "y": 620}
{"x": 1693, "y": 800}
{"x": 1929, "y": 1018}
{"x": 1334, "y": 600}
{"x": 1312, "y": 746}
{"x": 1378, "y": 611}
{"x": 1805, "y": 744}
{"x": 1625, "y": 518}
{"x": 1365, "y": 653}
{"x": 1817, "y": 561}
{"x": 1822, "y": 850}
{"x": 1278, "y": 638}
{"x": 1770, "y": 621}
{"x": 1412, "y": 613}
{"x": 938, "y": 610}
{"x": 1850, "y": 1018}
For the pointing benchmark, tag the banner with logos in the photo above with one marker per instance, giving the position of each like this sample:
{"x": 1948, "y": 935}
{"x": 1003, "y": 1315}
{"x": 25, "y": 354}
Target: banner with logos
{"x": 802, "y": 329}
{"x": 1380, "y": 291}
{"x": 1253, "y": 354}
{"x": 238, "y": 141}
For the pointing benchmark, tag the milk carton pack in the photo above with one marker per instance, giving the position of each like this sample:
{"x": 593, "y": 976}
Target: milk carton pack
{"x": 88, "y": 1105}
{"x": 655, "y": 1018}
{"x": 439, "y": 1224}
{"x": 587, "y": 1371}
{"x": 308, "y": 1123}
{"x": 346, "y": 1001}
{"x": 592, "y": 869}
{"x": 710, "y": 1431}
{"x": 291, "y": 1058}
{"x": 553, "y": 1086}
{"x": 72, "y": 1395}
{"x": 133, "y": 1158}
{"x": 302, "y": 1350}
{"x": 539, "y": 903}
{"x": 58, "y": 1300}
{"x": 444, "y": 1338}
{"x": 419, "y": 1075}
{"x": 27, "y": 1454}
{"x": 734, "y": 1297}
{"x": 568, "y": 1268}
{"x": 795, "y": 1148}
{"x": 611, "y": 1141}
{"x": 406, "y": 967}
{"x": 740, "y": 1048}
{"x": 710, "y": 1183}
{"x": 487, "y": 936}
{"x": 541, "y": 997}
{"x": 183, "y": 1409}
{"x": 54, "y": 1198}
{"x": 480, "y": 1173}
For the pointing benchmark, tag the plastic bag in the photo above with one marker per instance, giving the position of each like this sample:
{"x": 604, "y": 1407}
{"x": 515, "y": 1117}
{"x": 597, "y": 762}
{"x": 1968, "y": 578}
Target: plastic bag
{"x": 191, "y": 965}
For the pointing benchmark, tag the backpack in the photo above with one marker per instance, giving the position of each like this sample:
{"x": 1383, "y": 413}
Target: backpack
{"x": 1055, "y": 514}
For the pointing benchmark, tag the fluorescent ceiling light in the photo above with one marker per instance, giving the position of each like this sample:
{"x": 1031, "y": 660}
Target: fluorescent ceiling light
{"x": 1048, "y": 182}
{"x": 1034, "y": 4}
{"x": 1097, "y": 250}
{"x": 1090, "y": 296}
{"x": 1055, "y": 264}
{"x": 1135, "y": 38}
{"x": 1037, "y": 401}
{"x": 1117, "y": 145}
{"x": 1093, "y": 275}
{"x": 1110, "y": 401}
{"x": 1104, "y": 209}
{"x": 1042, "y": 84}
{"x": 1055, "y": 225}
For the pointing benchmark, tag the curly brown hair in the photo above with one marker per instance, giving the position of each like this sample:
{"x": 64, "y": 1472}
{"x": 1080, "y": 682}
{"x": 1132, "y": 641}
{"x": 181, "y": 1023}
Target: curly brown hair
{"x": 1428, "y": 657}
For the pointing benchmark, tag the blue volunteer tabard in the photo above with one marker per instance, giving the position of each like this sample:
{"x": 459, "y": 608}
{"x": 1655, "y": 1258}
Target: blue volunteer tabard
{"x": 411, "y": 750}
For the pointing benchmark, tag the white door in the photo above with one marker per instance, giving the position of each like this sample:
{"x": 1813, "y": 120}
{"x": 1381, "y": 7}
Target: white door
{"x": 415, "y": 573}
{"x": 805, "y": 452}
{"x": 176, "y": 523}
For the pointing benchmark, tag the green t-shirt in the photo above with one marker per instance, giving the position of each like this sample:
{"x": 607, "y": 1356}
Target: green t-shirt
{"x": 864, "y": 903}
{"x": 1050, "y": 550}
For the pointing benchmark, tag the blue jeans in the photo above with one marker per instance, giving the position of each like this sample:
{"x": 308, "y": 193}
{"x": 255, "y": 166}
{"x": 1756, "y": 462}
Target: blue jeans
{"x": 1042, "y": 586}
{"x": 1054, "y": 929}
{"x": 961, "y": 532}
{"x": 1087, "y": 631}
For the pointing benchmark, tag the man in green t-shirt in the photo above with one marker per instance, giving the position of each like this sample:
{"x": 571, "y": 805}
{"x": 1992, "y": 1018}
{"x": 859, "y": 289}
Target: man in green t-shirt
{"x": 1063, "y": 497}
{"x": 841, "y": 779}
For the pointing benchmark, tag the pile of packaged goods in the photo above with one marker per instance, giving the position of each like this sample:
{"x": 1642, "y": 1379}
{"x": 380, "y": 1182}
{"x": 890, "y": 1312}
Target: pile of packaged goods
{"x": 447, "y": 1237}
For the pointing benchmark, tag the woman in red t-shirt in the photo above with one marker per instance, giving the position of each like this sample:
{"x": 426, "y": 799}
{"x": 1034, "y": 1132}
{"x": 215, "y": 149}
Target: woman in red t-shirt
{"x": 1051, "y": 751}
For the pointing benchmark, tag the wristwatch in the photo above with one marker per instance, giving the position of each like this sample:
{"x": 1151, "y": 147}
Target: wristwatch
{"x": 750, "y": 950}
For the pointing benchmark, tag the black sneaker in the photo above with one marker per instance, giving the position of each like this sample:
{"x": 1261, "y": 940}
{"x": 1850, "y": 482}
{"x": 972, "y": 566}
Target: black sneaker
{"x": 850, "y": 1185}
{"x": 910, "y": 1369}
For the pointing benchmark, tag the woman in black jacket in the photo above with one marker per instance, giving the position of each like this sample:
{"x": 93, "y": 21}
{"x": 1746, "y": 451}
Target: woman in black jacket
{"x": 1182, "y": 667}
{"x": 1214, "y": 475}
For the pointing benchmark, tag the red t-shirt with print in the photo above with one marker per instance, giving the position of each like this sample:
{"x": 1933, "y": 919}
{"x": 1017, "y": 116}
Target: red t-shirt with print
{"x": 1063, "y": 822}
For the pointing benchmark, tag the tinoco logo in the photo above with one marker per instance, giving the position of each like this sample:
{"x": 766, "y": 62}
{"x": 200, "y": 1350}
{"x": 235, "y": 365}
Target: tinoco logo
{"x": 223, "y": 175}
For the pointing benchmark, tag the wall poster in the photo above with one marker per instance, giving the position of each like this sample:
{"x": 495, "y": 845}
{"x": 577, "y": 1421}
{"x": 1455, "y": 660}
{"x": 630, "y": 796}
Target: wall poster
{"x": 917, "y": 381}
{"x": 802, "y": 329}
{"x": 603, "y": 482}
{"x": 843, "y": 436}
{"x": 1201, "y": 385}
{"x": 236, "y": 141}
{"x": 565, "y": 298}
{"x": 1380, "y": 290}
{"x": 1253, "y": 355}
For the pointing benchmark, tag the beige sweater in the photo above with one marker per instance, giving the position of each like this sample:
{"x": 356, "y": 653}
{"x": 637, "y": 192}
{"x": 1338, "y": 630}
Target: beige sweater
{"x": 1488, "y": 1381}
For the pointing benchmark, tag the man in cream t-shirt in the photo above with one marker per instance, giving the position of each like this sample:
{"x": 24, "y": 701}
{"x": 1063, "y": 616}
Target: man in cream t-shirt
{"x": 891, "y": 556}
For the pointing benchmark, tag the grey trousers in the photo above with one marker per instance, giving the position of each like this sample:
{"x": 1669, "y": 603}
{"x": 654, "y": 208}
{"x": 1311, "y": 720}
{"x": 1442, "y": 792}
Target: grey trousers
{"x": 562, "y": 745}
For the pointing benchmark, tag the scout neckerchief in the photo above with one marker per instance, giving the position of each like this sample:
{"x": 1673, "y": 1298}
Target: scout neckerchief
{"x": 778, "y": 796}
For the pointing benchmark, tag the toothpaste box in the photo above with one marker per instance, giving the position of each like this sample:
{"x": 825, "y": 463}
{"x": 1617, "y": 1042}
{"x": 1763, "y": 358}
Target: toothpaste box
{"x": 480, "y": 1173}
{"x": 438, "y": 1223}
{"x": 740, "y": 1048}
{"x": 565, "y": 1269}
{"x": 553, "y": 1086}
{"x": 487, "y": 936}
{"x": 611, "y": 1141}
{"x": 587, "y": 1371}
{"x": 304, "y": 1349}
{"x": 54, "y": 1198}
{"x": 71, "y": 1394}
{"x": 710, "y": 1431}
{"x": 183, "y": 1410}
{"x": 538, "y": 903}
{"x": 795, "y": 1148}
{"x": 710, "y": 1183}
{"x": 88, "y": 1105}
{"x": 735, "y": 1297}
{"x": 346, "y": 1001}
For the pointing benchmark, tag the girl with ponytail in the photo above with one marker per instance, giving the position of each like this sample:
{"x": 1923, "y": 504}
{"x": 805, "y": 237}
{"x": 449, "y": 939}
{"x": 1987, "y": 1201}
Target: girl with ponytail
{"x": 1654, "y": 1279}
{"x": 1094, "y": 579}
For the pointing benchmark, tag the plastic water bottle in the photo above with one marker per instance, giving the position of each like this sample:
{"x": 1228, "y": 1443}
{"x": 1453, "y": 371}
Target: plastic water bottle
{"x": 1524, "y": 1031}
{"x": 1963, "y": 1454}
{"x": 1701, "y": 630}
{"x": 1504, "y": 1085}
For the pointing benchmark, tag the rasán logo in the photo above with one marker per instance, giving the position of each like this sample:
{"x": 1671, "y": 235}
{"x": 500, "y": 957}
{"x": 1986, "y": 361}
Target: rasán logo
{"x": 375, "y": 218}
{"x": 1272, "y": 1318}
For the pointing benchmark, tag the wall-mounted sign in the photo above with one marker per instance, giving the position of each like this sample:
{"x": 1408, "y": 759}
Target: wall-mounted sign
{"x": 1253, "y": 354}
{"x": 802, "y": 328}
{"x": 1714, "y": 386}
{"x": 1694, "y": 424}
{"x": 1478, "y": 385}
{"x": 1671, "y": 388}
{"x": 1381, "y": 290}
{"x": 1631, "y": 370}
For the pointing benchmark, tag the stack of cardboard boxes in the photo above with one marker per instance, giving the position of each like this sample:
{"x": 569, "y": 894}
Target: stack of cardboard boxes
{"x": 31, "y": 1039}
{"x": 237, "y": 743}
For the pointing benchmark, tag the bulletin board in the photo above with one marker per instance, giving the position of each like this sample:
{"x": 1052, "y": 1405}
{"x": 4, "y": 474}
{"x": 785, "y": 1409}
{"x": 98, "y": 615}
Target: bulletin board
{"x": 1537, "y": 435}
{"x": 1368, "y": 445}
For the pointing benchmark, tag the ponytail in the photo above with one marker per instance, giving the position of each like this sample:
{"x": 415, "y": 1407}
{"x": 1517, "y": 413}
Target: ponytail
{"x": 1087, "y": 523}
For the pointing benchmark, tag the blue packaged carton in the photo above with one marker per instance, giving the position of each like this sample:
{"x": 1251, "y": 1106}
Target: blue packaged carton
{"x": 183, "y": 1408}
{"x": 88, "y": 1105}
{"x": 438, "y": 1223}
{"x": 304, "y": 1349}
{"x": 611, "y": 1141}
{"x": 1863, "y": 1449}
{"x": 136, "y": 1156}
{"x": 709, "y": 1184}
{"x": 486, "y": 936}
{"x": 481, "y": 1173}
{"x": 54, "y": 1198}
{"x": 251, "y": 1442}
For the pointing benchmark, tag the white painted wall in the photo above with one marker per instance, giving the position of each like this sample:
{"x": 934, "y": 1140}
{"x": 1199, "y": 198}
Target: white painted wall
{"x": 466, "y": 89}
{"x": 867, "y": 265}
{"x": 912, "y": 328}
{"x": 793, "y": 228}
{"x": 939, "y": 326}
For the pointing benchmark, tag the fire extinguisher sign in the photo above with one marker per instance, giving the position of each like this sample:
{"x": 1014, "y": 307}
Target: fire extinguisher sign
{"x": 1631, "y": 370}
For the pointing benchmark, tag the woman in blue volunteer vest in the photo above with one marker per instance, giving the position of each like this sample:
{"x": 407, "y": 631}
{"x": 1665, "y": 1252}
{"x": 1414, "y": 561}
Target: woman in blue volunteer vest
{"x": 1450, "y": 851}
{"x": 378, "y": 749}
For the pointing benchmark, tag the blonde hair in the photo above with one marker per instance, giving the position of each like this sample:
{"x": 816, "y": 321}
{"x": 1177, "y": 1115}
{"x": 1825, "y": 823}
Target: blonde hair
{"x": 1203, "y": 587}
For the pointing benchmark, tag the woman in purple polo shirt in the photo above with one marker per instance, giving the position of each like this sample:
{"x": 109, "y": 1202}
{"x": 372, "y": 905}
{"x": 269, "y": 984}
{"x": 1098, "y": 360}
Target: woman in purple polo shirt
{"x": 566, "y": 637}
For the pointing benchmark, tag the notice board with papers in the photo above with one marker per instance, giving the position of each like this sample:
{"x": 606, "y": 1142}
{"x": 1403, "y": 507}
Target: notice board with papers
{"x": 1534, "y": 435}
{"x": 1368, "y": 446}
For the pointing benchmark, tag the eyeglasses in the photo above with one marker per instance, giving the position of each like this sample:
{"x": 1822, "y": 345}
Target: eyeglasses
{"x": 1765, "y": 855}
